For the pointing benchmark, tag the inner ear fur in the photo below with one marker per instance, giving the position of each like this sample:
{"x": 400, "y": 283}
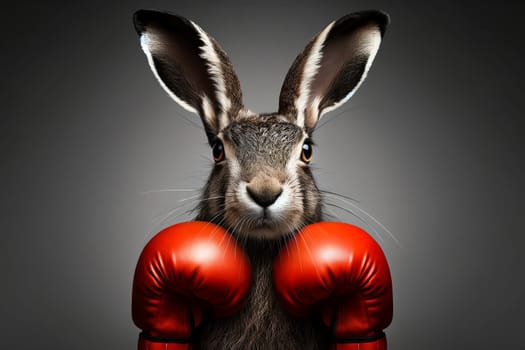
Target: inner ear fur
{"x": 331, "y": 67}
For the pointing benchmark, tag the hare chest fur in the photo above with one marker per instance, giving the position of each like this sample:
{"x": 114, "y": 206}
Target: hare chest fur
{"x": 261, "y": 188}
{"x": 262, "y": 323}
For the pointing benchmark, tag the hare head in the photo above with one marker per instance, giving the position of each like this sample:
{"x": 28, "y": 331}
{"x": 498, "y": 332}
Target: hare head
{"x": 261, "y": 184}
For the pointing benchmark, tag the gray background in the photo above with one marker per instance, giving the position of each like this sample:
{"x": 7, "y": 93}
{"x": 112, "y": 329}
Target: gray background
{"x": 432, "y": 145}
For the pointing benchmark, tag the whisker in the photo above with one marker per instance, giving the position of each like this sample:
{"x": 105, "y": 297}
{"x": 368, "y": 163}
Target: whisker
{"x": 340, "y": 195}
{"x": 349, "y": 211}
{"x": 158, "y": 220}
{"x": 374, "y": 231}
{"x": 369, "y": 217}
{"x": 161, "y": 218}
{"x": 169, "y": 190}
{"x": 188, "y": 198}
{"x": 332, "y": 214}
{"x": 212, "y": 198}
{"x": 217, "y": 215}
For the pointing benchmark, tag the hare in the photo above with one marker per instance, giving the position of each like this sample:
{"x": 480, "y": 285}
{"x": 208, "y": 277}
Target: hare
{"x": 261, "y": 188}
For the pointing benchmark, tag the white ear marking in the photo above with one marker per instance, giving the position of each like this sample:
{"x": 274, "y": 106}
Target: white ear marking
{"x": 150, "y": 44}
{"x": 313, "y": 111}
{"x": 215, "y": 70}
{"x": 209, "y": 113}
{"x": 311, "y": 67}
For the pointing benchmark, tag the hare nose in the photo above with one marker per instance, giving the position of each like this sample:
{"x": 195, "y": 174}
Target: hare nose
{"x": 265, "y": 196}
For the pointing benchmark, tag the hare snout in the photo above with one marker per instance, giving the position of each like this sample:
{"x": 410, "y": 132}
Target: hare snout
{"x": 264, "y": 208}
{"x": 264, "y": 191}
{"x": 264, "y": 198}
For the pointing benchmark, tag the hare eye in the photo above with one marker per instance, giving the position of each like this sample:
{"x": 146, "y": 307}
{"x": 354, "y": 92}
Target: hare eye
{"x": 306, "y": 154}
{"x": 218, "y": 151}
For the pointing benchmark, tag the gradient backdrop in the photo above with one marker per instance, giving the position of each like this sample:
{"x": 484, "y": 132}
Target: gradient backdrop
{"x": 432, "y": 146}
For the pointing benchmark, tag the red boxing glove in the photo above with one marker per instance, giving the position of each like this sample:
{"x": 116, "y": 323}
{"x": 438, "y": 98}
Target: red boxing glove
{"x": 340, "y": 271}
{"x": 185, "y": 271}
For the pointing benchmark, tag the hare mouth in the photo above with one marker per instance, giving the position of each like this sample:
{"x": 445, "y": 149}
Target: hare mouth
{"x": 265, "y": 225}
{"x": 267, "y": 228}
{"x": 248, "y": 218}
{"x": 266, "y": 222}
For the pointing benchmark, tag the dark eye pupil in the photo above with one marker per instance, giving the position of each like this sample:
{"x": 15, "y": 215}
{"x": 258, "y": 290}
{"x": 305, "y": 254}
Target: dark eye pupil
{"x": 218, "y": 151}
{"x": 307, "y": 152}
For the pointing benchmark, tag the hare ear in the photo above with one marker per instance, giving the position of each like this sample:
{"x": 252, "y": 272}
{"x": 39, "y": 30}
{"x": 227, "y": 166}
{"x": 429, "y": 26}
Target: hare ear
{"x": 191, "y": 67}
{"x": 331, "y": 67}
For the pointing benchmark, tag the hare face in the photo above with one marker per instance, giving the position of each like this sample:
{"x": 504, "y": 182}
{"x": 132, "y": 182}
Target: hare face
{"x": 261, "y": 185}
{"x": 270, "y": 191}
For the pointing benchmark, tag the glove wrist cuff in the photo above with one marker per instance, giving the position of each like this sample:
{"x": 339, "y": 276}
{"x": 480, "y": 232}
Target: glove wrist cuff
{"x": 148, "y": 342}
{"x": 376, "y": 342}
